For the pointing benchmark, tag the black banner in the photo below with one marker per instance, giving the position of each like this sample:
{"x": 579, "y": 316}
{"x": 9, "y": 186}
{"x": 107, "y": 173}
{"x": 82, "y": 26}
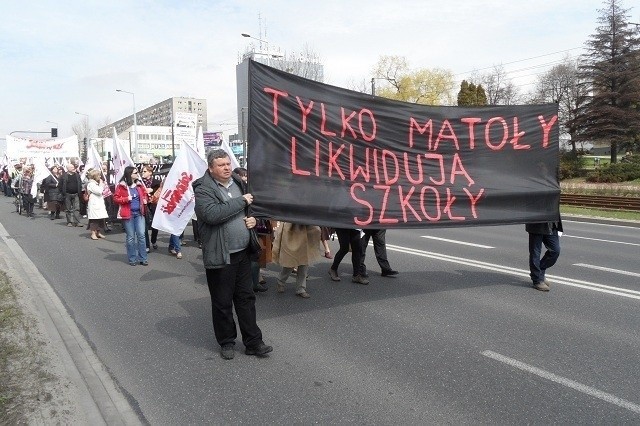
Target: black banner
{"x": 323, "y": 155}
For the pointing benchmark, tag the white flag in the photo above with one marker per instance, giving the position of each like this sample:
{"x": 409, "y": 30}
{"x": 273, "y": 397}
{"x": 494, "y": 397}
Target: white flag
{"x": 121, "y": 158}
{"x": 177, "y": 199}
{"x": 93, "y": 159}
{"x": 200, "y": 144}
{"x": 40, "y": 172}
{"x": 234, "y": 161}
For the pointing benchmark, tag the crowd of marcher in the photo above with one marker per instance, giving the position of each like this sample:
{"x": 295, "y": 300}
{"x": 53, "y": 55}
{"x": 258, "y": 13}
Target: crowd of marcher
{"x": 235, "y": 244}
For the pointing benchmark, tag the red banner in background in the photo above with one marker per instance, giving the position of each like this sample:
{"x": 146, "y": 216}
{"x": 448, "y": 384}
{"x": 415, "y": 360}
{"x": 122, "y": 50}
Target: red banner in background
{"x": 329, "y": 156}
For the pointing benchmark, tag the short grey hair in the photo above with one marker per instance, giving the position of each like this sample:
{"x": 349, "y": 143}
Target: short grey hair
{"x": 215, "y": 154}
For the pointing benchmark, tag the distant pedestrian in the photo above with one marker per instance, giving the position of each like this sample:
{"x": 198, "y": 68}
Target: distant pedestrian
{"x": 96, "y": 209}
{"x": 547, "y": 233}
{"x": 71, "y": 190}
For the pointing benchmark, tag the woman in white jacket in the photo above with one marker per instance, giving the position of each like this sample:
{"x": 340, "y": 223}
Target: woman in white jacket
{"x": 96, "y": 210}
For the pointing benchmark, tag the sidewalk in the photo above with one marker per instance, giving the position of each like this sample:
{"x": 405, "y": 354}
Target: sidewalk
{"x": 80, "y": 392}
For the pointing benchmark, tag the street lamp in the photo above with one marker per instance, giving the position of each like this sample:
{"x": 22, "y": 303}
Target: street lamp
{"x": 373, "y": 84}
{"x": 86, "y": 136}
{"x": 256, "y": 38}
{"x": 135, "y": 125}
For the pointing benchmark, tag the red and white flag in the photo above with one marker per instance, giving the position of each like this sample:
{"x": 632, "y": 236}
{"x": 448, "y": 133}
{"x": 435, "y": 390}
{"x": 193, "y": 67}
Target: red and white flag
{"x": 177, "y": 199}
{"x": 121, "y": 158}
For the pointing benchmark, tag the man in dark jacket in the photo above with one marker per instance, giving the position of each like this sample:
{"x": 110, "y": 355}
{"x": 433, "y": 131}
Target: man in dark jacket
{"x": 221, "y": 201}
{"x": 71, "y": 188}
{"x": 547, "y": 233}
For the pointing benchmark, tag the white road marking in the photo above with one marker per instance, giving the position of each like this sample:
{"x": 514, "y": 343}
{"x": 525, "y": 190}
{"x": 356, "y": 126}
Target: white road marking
{"x": 457, "y": 242}
{"x": 618, "y": 291}
{"x": 607, "y": 397}
{"x": 602, "y": 268}
{"x": 598, "y": 239}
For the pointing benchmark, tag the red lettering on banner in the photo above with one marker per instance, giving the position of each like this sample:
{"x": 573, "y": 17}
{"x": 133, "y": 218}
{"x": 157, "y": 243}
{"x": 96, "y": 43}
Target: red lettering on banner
{"x": 404, "y": 203}
{"x": 437, "y": 203}
{"x": 276, "y": 94}
{"x": 365, "y": 203}
{"x": 324, "y": 122}
{"x": 450, "y": 135}
{"x": 471, "y": 121}
{"x": 173, "y": 197}
{"x": 305, "y": 112}
{"x": 505, "y": 135}
{"x": 458, "y": 169}
{"x": 374, "y": 127}
{"x": 333, "y": 164}
{"x": 517, "y": 135}
{"x": 346, "y": 125}
{"x": 413, "y": 124}
{"x": 546, "y": 128}
{"x": 358, "y": 169}
{"x": 408, "y": 172}
{"x": 294, "y": 163}
{"x": 450, "y": 200}
{"x": 440, "y": 159}
{"x": 383, "y": 209}
{"x": 473, "y": 201}
{"x": 385, "y": 154}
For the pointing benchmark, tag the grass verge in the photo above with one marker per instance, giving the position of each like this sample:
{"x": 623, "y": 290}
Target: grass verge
{"x": 23, "y": 377}
{"x": 600, "y": 213}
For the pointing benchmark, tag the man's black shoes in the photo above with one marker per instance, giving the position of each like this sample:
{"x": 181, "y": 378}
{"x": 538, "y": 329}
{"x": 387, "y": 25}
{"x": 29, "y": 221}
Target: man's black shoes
{"x": 389, "y": 273}
{"x": 259, "y": 350}
{"x": 260, "y": 288}
{"x": 227, "y": 352}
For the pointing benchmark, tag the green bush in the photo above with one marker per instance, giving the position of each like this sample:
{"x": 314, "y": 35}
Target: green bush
{"x": 570, "y": 165}
{"x": 618, "y": 172}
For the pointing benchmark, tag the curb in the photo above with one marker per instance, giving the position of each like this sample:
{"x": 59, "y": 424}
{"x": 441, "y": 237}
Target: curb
{"x": 98, "y": 395}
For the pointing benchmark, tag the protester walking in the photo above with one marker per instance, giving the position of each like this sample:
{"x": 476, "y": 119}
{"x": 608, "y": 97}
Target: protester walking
{"x": 547, "y": 233}
{"x": 131, "y": 196}
{"x": 71, "y": 189}
{"x": 348, "y": 239}
{"x": 380, "y": 250}
{"x": 296, "y": 246}
{"x": 96, "y": 210}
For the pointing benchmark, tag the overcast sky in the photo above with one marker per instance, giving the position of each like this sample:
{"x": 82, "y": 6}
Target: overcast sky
{"x": 66, "y": 56}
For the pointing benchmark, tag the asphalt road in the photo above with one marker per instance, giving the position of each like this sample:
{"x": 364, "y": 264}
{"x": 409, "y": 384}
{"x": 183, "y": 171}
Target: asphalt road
{"x": 458, "y": 337}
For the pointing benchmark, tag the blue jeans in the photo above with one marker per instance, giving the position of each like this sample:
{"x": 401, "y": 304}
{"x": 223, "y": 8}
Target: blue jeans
{"x": 135, "y": 230}
{"x": 174, "y": 243}
{"x": 538, "y": 266}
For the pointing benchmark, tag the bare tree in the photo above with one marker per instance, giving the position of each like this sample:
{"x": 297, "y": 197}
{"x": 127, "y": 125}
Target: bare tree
{"x": 499, "y": 89}
{"x": 561, "y": 85}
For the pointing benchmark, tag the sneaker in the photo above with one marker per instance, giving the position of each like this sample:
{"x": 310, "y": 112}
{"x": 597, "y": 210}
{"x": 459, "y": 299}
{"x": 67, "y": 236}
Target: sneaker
{"x": 547, "y": 283}
{"x": 260, "y": 350}
{"x": 133, "y": 263}
{"x": 70, "y": 224}
{"x": 359, "y": 279}
{"x": 173, "y": 251}
{"x": 304, "y": 295}
{"x": 334, "y": 275}
{"x": 179, "y": 255}
{"x": 542, "y": 286}
{"x": 389, "y": 273}
{"x": 227, "y": 352}
{"x": 144, "y": 263}
{"x": 148, "y": 250}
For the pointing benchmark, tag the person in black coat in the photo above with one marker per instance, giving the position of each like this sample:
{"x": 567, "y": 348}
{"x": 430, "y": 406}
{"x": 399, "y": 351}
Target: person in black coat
{"x": 547, "y": 233}
{"x": 52, "y": 190}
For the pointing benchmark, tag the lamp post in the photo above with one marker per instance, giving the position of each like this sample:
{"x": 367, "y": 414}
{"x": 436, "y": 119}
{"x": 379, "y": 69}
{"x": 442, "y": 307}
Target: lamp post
{"x": 256, "y": 38}
{"x": 373, "y": 84}
{"x": 135, "y": 125}
{"x": 86, "y": 136}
